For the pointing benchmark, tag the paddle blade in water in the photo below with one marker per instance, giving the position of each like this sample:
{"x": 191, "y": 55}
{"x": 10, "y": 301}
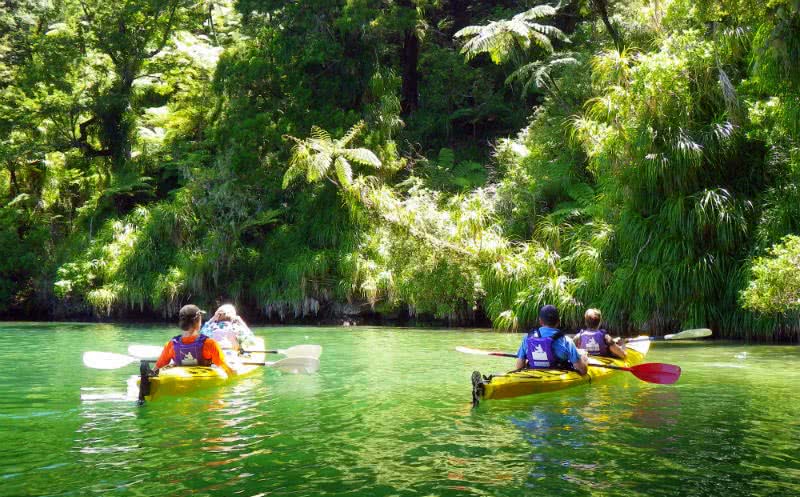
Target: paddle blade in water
{"x": 106, "y": 360}
{"x": 467, "y": 350}
{"x": 656, "y": 372}
{"x": 686, "y": 334}
{"x": 144, "y": 351}
{"x": 303, "y": 351}
{"x": 292, "y": 365}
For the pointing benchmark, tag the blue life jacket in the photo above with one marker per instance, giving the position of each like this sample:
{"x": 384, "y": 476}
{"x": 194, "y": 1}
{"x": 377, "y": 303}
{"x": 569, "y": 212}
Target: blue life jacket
{"x": 189, "y": 354}
{"x": 539, "y": 352}
{"x": 594, "y": 342}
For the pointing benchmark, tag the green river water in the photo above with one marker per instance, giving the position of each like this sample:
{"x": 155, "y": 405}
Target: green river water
{"x": 389, "y": 414}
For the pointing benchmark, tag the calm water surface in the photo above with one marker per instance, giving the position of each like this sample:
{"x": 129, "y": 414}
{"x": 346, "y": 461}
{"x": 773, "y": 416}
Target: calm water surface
{"x": 389, "y": 414}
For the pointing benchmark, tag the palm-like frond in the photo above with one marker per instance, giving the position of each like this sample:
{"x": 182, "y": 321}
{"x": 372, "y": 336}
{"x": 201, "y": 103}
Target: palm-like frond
{"x": 362, "y": 156}
{"x": 501, "y": 39}
{"x": 344, "y": 172}
{"x": 351, "y": 134}
{"x": 320, "y": 156}
{"x": 537, "y": 13}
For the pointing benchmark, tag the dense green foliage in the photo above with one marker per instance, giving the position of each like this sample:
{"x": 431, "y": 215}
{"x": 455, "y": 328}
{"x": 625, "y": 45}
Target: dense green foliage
{"x": 453, "y": 159}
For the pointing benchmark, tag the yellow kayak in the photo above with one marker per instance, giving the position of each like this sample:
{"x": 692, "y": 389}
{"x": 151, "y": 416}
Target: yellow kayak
{"x": 181, "y": 380}
{"x": 532, "y": 381}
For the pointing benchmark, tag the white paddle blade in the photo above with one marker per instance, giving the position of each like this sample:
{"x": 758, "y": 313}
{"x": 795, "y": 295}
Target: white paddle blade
{"x": 144, "y": 351}
{"x": 303, "y": 351}
{"x": 106, "y": 360}
{"x": 296, "y": 365}
{"x": 467, "y": 350}
{"x": 686, "y": 334}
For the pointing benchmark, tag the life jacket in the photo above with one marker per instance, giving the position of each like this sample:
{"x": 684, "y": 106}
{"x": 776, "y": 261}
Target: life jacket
{"x": 189, "y": 354}
{"x": 594, "y": 342}
{"x": 540, "y": 353}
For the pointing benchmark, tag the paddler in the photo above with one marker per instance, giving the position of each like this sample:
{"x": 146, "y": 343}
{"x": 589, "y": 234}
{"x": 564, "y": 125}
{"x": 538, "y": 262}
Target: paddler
{"x": 597, "y": 341}
{"x": 191, "y": 348}
{"x": 228, "y": 328}
{"x": 548, "y": 348}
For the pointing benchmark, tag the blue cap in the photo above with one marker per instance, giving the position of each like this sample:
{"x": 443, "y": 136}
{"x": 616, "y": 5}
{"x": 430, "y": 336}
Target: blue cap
{"x": 549, "y": 314}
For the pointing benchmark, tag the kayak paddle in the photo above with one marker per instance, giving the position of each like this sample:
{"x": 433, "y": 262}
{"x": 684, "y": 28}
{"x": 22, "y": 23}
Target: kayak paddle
{"x": 683, "y": 335}
{"x": 150, "y": 351}
{"x": 467, "y": 350}
{"x": 297, "y": 351}
{"x": 110, "y": 360}
{"x": 294, "y": 365}
{"x": 651, "y": 372}
{"x": 107, "y": 360}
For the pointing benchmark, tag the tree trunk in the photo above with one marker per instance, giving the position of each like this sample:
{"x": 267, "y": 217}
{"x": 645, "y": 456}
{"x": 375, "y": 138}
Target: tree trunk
{"x": 601, "y": 6}
{"x": 409, "y": 101}
{"x": 14, "y": 186}
{"x": 116, "y": 122}
{"x": 458, "y": 9}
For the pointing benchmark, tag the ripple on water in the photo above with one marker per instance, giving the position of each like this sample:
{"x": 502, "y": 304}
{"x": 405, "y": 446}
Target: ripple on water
{"x": 389, "y": 414}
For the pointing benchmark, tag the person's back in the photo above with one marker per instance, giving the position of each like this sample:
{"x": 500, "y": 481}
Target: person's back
{"x": 228, "y": 328}
{"x": 190, "y": 348}
{"x": 595, "y": 340}
{"x": 547, "y": 348}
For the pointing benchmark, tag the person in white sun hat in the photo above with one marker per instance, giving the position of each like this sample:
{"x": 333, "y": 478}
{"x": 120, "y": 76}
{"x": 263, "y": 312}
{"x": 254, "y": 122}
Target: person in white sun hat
{"x": 228, "y": 329}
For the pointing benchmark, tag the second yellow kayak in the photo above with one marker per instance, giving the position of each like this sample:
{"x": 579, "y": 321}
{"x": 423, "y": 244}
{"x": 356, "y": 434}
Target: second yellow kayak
{"x": 533, "y": 381}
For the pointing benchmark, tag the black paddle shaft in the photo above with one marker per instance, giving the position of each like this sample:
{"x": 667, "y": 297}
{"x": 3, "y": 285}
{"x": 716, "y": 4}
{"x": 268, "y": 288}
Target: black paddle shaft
{"x": 144, "y": 381}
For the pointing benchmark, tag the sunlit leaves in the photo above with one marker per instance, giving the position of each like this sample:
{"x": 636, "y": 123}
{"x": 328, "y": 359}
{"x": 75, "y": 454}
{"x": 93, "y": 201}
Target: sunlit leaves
{"x": 502, "y": 40}
{"x": 315, "y": 156}
{"x": 775, "y": 287}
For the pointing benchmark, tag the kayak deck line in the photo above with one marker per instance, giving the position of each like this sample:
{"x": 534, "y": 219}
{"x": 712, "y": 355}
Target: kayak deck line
{"x": 533, "y": 381}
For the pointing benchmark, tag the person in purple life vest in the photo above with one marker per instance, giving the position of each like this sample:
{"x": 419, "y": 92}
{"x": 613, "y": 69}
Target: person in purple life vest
{"x": 548, "y": 348}
{"x": 595, "y": 340}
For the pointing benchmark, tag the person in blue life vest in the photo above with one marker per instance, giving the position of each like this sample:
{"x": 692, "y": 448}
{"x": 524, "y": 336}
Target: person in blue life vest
{"x": 597, "y": 341}
{"x": 548, "y": 348}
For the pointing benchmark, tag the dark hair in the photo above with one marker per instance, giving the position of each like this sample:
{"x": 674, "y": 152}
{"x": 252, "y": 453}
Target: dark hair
{"x": 187, "y": 322}
{"x": 549, "y": 315}
{"x": 188, "y": 316}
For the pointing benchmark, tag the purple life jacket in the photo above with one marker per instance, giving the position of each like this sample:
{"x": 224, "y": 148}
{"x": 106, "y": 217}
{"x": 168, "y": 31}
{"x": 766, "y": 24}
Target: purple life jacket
{"x": 594, "y": 342}
{"x": 189, "y": 354}
{"x": 539, "y": 351}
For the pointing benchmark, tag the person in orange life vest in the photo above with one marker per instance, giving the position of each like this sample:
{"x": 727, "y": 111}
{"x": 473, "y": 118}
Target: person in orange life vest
{"x": 190, "y": 348}
{"x": 548, "y": 348}
{"x": 597, "y": 341}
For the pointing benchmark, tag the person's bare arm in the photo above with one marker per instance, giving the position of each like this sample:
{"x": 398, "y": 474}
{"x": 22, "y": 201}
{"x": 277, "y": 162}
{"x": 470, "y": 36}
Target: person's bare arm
{"x": 615, "y": 349}
{"x": 618, "y": 351}
{"x": 582, "y": 366}
{"x": 521, "y": 363}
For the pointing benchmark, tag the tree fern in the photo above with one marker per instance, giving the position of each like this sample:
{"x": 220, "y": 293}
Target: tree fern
{"x": 314, "y": 157}
{"x": 504, "y": 40}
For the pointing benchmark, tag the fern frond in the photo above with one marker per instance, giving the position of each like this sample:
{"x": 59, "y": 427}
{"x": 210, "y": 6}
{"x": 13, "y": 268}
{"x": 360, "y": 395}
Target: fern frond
{"x": 320, "y": 134}
{"x": 468, "y": 31}
{"x": 351, "y": 134}
{"x": 344, "y": 172}
{"x": 290, "y": 175}
{"x": 362, "y": 156}
{"x": 537, "y": 12}
{"x": 542, "y": 41}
